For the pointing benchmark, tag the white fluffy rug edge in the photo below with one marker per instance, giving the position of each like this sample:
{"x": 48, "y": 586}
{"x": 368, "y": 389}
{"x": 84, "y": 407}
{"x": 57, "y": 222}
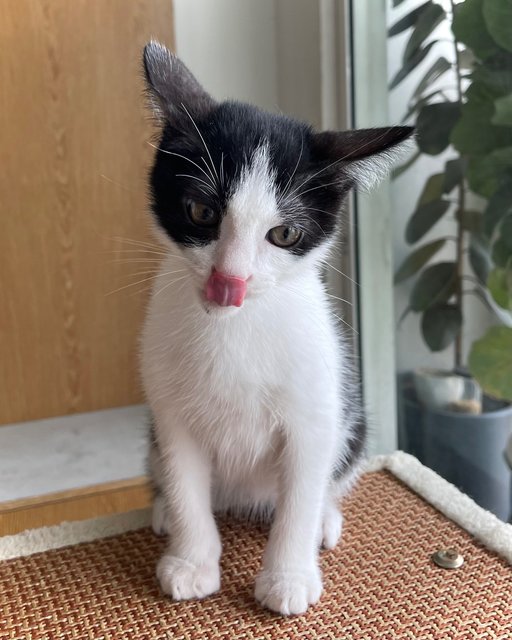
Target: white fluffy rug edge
{"x": 484, "y": 526}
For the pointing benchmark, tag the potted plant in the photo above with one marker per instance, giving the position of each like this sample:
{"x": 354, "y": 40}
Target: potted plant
{"x": 463, "y": 102}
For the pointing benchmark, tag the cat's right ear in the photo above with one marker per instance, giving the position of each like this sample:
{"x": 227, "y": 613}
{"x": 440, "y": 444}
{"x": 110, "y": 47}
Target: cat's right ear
{"x": 174, "y": 92}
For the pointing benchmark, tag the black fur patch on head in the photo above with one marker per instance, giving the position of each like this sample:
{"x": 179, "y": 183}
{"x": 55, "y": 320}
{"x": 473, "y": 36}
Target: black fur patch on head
{"x": 205, "y": 147}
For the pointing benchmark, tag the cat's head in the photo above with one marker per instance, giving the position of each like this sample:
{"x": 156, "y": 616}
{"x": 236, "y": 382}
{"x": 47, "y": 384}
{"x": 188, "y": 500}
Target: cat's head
{"x": 250, "y": 198}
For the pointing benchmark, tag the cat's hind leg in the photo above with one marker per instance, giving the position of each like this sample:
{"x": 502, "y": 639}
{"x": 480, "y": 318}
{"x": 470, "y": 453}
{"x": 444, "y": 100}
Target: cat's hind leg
{"x": 159, "y": 516}
{"x": 345, "y": 474}
{"x": 332, "y": 523}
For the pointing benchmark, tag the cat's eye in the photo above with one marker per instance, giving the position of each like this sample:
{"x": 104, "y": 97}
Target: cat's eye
{"x": 284, "y": 236}
{"x": 201, "y": 214}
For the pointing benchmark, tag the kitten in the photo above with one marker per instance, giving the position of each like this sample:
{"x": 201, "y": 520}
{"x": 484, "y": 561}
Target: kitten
{"x": 252, "y": 398}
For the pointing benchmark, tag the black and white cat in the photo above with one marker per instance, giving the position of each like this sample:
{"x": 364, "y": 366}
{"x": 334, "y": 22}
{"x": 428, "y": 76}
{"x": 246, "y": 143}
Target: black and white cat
{"x": 252, "y": 398}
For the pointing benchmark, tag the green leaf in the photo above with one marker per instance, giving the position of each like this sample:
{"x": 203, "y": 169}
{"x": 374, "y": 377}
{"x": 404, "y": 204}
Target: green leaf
{"x": 472, "y": 221}
{"x": 424, "y": 218}
{"x": 498, "y": 20}
{"x": 407, "y": 165}
{"x": 490, "y": 362}
{"x": 503, "y": 114}
{"x": 411, "y": 64}
{"x": 435, "y": 285}
{"x": 440, "y": 325}
{"x": 419, "y": 104}
{"x": 408, "y": 21}
{"x": 479, "y": 257}
{"x": 426, "y": 22}
{"x": 501, "y": 253}
{"x": 454, "y": 172}
{"x": 469, "y": 27}
{"x": 432, "y": 190}
{"x": 487, "y": 172}
{"x": 506, "y": 231}
{"x": 440, "y": 66}
{"x": 434, "y": 125}
{"x": 499, "y": 284}
{"x": 474, "y": 134}
{"x": 418, "y": 259}
{"x": 495, "y": 74}
{"x": 499, "y": 205}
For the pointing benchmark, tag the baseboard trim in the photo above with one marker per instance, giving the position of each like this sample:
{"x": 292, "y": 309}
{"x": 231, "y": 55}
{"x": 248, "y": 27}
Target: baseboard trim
{"x": 74, "y": 504}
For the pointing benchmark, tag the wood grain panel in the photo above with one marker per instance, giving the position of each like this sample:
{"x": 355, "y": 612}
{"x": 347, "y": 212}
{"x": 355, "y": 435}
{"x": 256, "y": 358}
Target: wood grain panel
{"x": 76, "y": 504}
{"x": 73, "y": 135}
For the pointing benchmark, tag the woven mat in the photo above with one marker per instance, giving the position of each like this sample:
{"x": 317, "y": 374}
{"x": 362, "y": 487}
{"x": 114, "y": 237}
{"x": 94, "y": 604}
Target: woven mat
{"x": 379, "y": 583}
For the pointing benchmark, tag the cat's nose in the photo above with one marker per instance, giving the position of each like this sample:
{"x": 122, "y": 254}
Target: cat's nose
{"x": 226, "y": 290}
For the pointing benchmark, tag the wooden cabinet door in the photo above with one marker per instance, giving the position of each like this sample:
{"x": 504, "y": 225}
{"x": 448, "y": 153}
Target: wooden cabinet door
{"x": 74, "y": 157}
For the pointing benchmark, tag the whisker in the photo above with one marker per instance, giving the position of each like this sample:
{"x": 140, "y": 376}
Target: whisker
{"x": 340, "y": 299}
{"x": 169, "y": 284}
{"x": 143, "y": 251}
{"x": 330, "y": 311}
{"x": 341, "y": 273}
{"x": 327, "y": 213}
{"x": 209, "y": 170}
{"x": 186, "y": 175}
{"x": 222, "y": 182}
{"x": 150, "y": 253}
{"x": 138, "y": 255}
{"x": 315, "y": 222}
{"x": 202, "y": 139}
{"x": 118, "y": 184}
{"x": 133, "y": 284}
{"x": 347, "y": 324}
{"x": 137, "y": 243}
{"x": 179, "y": 155}
{"x": 149, "y": 270}
{"x": 157, "y": 261}
{"x": 287, "y": 186}
{"x": 319, "y": 186}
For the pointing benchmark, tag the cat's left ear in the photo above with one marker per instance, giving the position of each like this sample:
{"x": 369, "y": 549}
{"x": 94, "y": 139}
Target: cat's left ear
{"x": 367, "y": 155}
{"x": 172, "y": 87}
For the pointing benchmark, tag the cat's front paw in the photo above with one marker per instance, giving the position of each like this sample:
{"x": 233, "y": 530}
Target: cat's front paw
{"x": 183, "y": 580}
{"x": 288, "y": 592}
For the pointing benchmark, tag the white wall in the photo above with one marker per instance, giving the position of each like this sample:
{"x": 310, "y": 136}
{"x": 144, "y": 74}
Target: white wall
{"x": 266, "y": 52}
{"x": 230, "y": 45}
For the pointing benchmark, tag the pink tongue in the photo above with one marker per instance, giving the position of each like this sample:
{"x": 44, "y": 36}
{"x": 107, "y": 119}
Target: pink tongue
{"x": 225, "y": 290}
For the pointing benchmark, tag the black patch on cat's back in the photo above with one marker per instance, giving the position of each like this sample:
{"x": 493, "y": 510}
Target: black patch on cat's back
{"x": 356, "y": 445}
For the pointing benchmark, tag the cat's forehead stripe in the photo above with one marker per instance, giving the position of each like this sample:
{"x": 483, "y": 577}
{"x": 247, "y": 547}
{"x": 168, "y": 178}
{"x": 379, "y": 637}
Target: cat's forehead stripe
{"x": 255, "y": 192}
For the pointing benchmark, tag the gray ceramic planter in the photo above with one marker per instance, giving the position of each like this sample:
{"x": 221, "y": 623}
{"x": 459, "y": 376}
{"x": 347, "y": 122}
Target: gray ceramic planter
{"x": 467, "y": 450}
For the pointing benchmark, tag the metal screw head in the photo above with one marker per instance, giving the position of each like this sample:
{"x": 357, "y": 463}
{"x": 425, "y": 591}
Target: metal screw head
{"x": 448, "y": 559}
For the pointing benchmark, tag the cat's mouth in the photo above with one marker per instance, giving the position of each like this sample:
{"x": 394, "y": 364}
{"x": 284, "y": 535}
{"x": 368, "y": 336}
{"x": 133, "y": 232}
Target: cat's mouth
{"x": 225, "y": 290}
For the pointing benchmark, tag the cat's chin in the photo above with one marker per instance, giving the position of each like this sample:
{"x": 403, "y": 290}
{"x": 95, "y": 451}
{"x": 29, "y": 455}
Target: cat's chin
{"x": 216, "y": 311}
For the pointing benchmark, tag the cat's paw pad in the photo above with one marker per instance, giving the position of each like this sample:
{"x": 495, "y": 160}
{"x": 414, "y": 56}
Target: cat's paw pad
{"x": 159, "y": 517}
{"x": 288, "y": 592}
{"x": 183, "y": 580}
{"x": 332, "y": 525}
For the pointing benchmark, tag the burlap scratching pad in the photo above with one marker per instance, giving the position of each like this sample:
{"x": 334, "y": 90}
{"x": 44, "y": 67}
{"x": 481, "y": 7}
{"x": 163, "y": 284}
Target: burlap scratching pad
{"x": 379, "y": 583}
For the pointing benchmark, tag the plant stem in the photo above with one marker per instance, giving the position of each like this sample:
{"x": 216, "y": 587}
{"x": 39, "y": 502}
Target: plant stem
{"x": 461, "y": 204}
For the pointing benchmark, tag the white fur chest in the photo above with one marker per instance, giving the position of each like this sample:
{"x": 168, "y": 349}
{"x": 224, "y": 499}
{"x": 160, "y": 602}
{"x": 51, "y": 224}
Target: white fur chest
{"x": 228, "y": 379}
